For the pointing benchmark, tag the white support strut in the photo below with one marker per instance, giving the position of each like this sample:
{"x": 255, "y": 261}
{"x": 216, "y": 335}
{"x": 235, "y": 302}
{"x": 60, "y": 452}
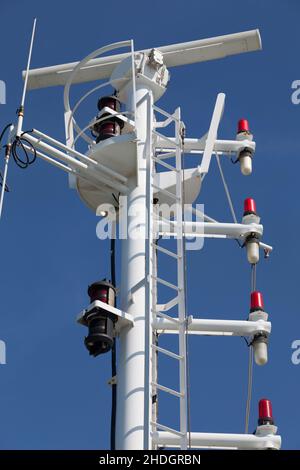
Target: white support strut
{"x": 215, "y": 327}
{"x": 228, "y": 230}
{"x": 192, "y": 145}
{"x": 212, "y": 134}
{"x": 202, "y": 440}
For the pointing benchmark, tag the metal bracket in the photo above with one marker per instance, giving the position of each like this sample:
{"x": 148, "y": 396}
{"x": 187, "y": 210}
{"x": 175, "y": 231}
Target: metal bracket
{"x": 124, "y": 318}
{"x": 113, "y": 380}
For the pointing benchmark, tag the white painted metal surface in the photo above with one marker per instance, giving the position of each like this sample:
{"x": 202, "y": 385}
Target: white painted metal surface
{"x": 133, "y": 421}
{"x": 26, "y": 76}
{"x": 126, "y": 164}
{"x": 225, "y": 229}
{"x": 212, "y": 134}
{"x": 177, "y": 195}
{"x": 174, "y": 55}
{"x": 124, "y": 318}
{"x": 191, "y": 145}
{"x": 203, "y": 440}
{"x": 215, "y": 327}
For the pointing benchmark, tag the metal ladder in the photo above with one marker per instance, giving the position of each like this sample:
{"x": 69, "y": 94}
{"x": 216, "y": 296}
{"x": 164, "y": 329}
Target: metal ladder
{"x": 158, "y": 310}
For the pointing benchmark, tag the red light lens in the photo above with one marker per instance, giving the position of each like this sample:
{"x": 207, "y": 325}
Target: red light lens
{"x": 265, "y": 411}
{"x": 109, "y": 101}
{"x": 249, "y": 205}
{"x": 257, "y": 301}
{"x": 107, "y": 127}
{"x": 243, "y": 125}
{"x": 98, "y": 293}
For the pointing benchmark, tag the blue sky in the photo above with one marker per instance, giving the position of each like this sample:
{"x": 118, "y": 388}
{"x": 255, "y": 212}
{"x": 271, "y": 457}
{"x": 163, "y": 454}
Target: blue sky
{"x": 52, "y": 394}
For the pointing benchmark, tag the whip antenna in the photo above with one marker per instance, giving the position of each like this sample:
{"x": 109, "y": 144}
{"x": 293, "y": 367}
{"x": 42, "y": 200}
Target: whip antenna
{"x": 21, "y": 108}
{"x": 11, "y": 143}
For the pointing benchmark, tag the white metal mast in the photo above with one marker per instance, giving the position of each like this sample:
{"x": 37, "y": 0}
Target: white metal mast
{"x": 124, "y": 164}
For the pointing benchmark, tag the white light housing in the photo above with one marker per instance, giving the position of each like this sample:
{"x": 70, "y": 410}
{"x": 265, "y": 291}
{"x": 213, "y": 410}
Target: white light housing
{"x": 252, "y": 247}
{"x": 260, "y": 348}
{"x": 246, "y": 163}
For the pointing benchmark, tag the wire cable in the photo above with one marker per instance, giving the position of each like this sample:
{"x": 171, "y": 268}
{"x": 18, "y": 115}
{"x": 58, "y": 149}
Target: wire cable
{"x": 226, "y": 189}
{"x": 25, "y": 160}
{"x": 13, "y": 148}
{"x": 1, "y": 137}
{"x": 3, "y": 176}
{"x": 253, "y": 277}
{"x": 3, "y": 132}
{"x": 1, "y": 183}
{"x": 228, "y": 195}
{"x": 249, "y": 389}
{"x": 250, "y": 360}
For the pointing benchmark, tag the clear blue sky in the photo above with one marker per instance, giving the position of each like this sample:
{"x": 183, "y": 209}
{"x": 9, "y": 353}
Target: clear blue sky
{"x": 52, "y": 394}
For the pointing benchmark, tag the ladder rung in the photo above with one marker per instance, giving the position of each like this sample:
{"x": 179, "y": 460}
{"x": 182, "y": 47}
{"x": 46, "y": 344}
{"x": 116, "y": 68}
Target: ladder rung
{"x": 166, "y": 428}
{"x": 168, "y": 305}
{"x": 164, "y": 137}
{"x": 167, "y": 317}
{"x": 166, "y": 165}
{"x": 167, "y": 353}
{"x": 167, "y": 390}
{"x": 165, "y": 113}
{"x": 166, "y": 283}
{"x": 163, "y": 219}
{"x": 163, "y": 123}
{"x": 163, "y": 156}
{"x": 166, "y": 192}
{"x": 165, "y": 251}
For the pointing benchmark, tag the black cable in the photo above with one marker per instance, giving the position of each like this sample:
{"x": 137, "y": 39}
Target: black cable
{"x": 3, "y": 132}
{"x": 246, "y": 341}
{"x": 113, "y": 195}
{"x": 238, "y": 242}
{"x": 1, "y": 137}
{"x": 1, "y": 183}
{"x": 18, "y": 144}
{"x": 113, "y": 353}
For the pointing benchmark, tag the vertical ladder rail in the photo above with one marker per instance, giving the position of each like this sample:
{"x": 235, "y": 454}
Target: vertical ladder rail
{"x": 180, "y": 287}
{"x": 181, "y": 283}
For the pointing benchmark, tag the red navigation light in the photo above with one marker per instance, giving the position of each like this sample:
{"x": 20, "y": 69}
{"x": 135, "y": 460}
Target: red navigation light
{"x": 249, "y": 206}
{"x": 265, "y": 412}
{"x": 257, "y": 301}
{"x": 243, "y": 126}
{"x": 99, "y": 321}
{"x": 109, "y": 102}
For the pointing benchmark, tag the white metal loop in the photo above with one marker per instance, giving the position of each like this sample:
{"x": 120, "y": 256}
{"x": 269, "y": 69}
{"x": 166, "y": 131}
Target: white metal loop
{"x": 79, "y": 66}
{"x": 103, "y": 118}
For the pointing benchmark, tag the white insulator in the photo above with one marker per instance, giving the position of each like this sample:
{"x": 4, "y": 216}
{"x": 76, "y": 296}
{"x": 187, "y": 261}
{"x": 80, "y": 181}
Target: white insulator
{"x": 260, "y": 348}
{"x": 252, "y": 247}
{"x": 246, "y": 165}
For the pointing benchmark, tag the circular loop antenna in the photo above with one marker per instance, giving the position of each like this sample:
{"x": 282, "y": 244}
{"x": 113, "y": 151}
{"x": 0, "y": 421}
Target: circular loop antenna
{"x": 79, "y": 66}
